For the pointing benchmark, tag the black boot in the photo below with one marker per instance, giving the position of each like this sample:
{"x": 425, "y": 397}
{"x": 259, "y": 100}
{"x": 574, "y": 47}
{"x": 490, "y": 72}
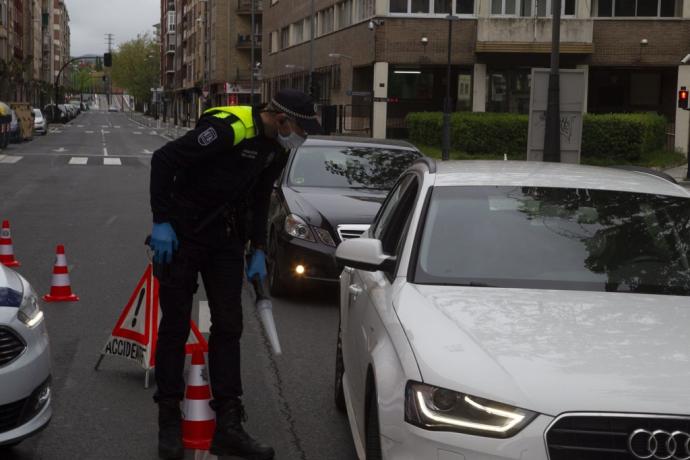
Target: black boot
{"x": 231, "y": 439}
{"x": 170, "y": 430}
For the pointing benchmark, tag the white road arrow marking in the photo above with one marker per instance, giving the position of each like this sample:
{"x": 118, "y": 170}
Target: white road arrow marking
{"x": 147, "y": 151}
{"x": 60, "y": 150}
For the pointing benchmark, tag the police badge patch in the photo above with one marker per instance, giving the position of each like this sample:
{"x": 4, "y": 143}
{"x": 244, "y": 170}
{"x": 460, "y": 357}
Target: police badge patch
{"x": 207, "y": 137}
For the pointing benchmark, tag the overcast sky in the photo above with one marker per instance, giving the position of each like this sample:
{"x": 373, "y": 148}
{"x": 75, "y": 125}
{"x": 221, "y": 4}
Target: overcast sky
{"x": 90, "y": 20}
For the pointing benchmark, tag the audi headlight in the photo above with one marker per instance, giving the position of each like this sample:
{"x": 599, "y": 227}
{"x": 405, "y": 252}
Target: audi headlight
{"x": 297, "y": 227}
{"x": 438, "y": 409}
{"x": 29, "y": 311}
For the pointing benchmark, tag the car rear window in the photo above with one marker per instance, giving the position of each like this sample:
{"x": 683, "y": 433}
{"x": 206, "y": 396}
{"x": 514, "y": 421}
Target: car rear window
{"x": 349, "y": 166}
{"x": 556, "y": 238}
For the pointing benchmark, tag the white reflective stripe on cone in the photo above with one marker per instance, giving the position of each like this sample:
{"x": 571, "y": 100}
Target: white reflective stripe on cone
{"x": 61, "y": 260}
{"x": 196, "y": 376}
{"x": 60, "y": 280}
{"x": 5, "y": 249}
{"x": 197, "y": 410}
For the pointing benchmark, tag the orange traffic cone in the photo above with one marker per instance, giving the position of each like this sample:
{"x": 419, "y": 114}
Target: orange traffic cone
{"x": 60, "y": 289}
{"x": 199, "y": 421}
{"x": 6, "y": 250}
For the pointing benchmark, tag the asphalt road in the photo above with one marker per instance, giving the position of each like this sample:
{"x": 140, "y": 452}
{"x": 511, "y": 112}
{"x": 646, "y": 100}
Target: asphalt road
{"x": 85, "y": 185}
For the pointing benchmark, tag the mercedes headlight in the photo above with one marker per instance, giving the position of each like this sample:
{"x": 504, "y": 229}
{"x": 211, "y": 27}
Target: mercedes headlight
{"x": 297, "y": 227}
{"x": 29, "y": 311}
{"x": 438, "y": 409}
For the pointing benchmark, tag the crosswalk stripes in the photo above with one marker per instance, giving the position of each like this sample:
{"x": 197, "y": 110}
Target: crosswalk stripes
{"x": 10, "y": 159}
{"x": 112, "y": 162}
{"x": 78, "y": 161}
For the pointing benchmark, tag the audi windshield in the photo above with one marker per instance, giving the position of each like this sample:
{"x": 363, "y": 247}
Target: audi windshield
{"x": 349, "y": 166}
{"x": 556, "y": 238}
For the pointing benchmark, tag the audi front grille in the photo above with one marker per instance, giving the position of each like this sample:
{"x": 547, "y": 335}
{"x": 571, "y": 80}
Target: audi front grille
{"x": 619, "y": 437}
{"x": 349, "y": 231}
{"x": 11, "y": 346}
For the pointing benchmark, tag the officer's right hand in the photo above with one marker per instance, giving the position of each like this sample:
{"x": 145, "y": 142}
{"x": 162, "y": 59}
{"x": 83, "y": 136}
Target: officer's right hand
{"x": 163, "y": 242}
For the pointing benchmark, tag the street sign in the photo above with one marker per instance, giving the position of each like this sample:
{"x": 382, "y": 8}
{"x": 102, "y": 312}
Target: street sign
{"x": 572, "y": 100}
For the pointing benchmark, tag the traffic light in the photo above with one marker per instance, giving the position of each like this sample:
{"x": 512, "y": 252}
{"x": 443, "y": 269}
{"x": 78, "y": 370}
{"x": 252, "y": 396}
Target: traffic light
{"x": 683, "y": 98}
{"x": 108, "y": 59}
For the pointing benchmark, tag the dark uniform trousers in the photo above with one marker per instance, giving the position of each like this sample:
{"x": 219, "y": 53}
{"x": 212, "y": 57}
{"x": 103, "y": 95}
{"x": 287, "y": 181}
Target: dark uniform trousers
{"x": 217, "y": 253}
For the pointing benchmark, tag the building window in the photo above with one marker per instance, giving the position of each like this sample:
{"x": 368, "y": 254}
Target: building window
{"x": 531, "y": 7}
{"x": 325, "y": 18}
{"x": 363, "y": 9}
{"x": 638, "y": 8}
{"x": 439, "y": 7}
{"x": 273, "y": 42}
{"x": 284, "y": 38}
{"x": 297, "y": 32}
{"x": 344, "y": 10}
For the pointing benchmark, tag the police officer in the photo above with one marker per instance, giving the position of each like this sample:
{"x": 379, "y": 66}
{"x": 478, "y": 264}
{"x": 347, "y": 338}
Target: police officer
{"x": 210, "y": 192}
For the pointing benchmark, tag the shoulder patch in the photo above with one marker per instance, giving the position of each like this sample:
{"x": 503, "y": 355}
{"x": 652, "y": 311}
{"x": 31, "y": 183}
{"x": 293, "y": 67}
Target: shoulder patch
{"x": 207, "y": 136}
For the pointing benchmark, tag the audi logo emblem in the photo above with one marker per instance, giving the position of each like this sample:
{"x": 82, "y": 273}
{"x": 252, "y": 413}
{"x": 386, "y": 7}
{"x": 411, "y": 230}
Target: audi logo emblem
{"x": 659, "y": 445}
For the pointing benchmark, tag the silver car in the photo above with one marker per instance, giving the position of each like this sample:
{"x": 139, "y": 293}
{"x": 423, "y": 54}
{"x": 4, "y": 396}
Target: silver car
{"x": 40, "y": 123}
{"x": 25, "y": 392}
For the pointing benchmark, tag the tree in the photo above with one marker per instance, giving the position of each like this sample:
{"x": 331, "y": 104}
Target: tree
{"x": 136, "y": 66}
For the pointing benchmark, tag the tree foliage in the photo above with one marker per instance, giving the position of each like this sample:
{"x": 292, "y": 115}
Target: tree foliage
{"x": 136, "y": 65}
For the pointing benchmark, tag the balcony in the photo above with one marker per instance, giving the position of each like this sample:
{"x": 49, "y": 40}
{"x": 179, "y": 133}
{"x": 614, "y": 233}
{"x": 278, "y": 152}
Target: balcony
{"x": 245, "y": 6}
{"x": 532, "y": 35}
{"x": 245, "y": 41}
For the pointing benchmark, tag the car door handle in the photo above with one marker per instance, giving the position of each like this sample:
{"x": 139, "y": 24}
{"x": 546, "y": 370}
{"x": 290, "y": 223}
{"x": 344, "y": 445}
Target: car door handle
{"x": 355, "y": 291}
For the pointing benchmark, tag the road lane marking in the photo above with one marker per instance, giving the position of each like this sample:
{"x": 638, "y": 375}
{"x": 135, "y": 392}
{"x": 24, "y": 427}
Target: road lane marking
{"x": 78, "y": 160}
{"x": 204, "y": 317}
{"x": 105, "y": 151}
{"x": 88, "y": 132}
{"x": 116, "y": 127}
{"x": 10, "y": 159}
{"x": 153, "y": 133}
{"x": 60, "y": 150}
{"x": 112, "y": 162}
{"x": 136, "y": 132}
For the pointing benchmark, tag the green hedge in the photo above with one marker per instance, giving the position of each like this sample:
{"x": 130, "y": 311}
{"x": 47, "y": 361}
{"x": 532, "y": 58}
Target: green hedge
{"x": 621, "y": 136}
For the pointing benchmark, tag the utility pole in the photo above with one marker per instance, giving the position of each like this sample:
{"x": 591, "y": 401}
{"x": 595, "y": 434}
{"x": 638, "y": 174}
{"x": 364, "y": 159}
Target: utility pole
{"x": 109, "y": 81}
{"x": 253, "y": 50}
{"x": 552, "y": 130}
{"x": 311, "y": 50}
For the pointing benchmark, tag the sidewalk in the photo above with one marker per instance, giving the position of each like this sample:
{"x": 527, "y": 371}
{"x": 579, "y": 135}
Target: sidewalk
{"x": 679, "y": 173}
{"x": 171, "y": 131}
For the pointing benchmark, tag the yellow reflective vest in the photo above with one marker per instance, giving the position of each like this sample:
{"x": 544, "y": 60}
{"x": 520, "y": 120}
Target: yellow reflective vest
{"x": 243, "y": 128}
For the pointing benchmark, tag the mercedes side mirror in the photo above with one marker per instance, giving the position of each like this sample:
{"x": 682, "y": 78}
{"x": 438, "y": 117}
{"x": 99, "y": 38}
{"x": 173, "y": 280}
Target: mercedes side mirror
{"x": 364, "y": 254}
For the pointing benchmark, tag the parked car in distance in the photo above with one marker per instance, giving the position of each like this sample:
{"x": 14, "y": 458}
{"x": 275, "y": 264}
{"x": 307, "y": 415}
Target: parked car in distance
{"x": 40, "y": 123}
{"x": 15, "y": 131}
{"x": 519, "y": 310}
{"x": 25, "y": 370}
{"x": 330, "y": 191}
{"x": 56, "y": 113}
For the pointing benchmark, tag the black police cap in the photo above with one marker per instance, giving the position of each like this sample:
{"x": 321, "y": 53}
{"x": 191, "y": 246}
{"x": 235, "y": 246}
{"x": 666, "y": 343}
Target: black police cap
{"x": 299, "y": 106}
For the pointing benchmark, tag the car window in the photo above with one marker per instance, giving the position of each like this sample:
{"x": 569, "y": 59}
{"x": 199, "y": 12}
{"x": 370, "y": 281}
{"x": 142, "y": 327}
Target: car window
{"x": 556, "y": 238}
{"x": 386, "y": 212}
{"x": 349, "y": 166}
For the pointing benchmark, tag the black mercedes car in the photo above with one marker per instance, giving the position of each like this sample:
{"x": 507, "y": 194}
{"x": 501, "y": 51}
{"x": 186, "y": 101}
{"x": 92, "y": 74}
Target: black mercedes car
{"x": 330, "y": 191}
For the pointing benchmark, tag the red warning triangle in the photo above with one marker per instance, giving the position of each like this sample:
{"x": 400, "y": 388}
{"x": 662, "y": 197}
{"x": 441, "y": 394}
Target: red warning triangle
{"x": 135, "y": 324}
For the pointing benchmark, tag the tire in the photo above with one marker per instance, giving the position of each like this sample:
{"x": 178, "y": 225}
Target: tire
{"x": 372, "y": 438}
{"x": 338, "y": 392}
{"x": 276, "y": 284}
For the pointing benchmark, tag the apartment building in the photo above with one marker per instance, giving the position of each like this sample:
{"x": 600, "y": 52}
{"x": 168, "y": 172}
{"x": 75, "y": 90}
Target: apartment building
{"x": 34, "y": 43}
{"x": 381, "y": 59}
{"x": 206, "y": 54}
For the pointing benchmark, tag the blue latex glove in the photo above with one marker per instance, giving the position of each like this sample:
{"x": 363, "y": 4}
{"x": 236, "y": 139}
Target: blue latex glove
{"x": 257, "y": 265}
{"x": 163, "y": 242}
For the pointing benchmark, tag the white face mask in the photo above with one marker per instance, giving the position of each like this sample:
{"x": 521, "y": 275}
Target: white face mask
{"x": 290, "y": 142}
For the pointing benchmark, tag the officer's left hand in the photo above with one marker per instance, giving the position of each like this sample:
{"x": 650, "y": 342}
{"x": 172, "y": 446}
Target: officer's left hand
{"x": 257, "y": 265}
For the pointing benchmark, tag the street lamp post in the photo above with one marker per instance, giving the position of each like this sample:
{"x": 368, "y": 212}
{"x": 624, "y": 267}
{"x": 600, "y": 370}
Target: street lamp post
{"x": 445, "y": 153}
{"x": 552, "y": 129}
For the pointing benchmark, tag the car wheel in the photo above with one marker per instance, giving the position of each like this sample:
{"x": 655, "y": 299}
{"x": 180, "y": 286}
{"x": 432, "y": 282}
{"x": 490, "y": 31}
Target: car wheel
{"x": 372, "y": 436}
{"x": 339, "y": 393}
{"x": 275, "y": 282}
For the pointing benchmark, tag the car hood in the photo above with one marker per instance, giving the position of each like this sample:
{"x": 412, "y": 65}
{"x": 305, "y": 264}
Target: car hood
{"x": 335, "y": 205}
{"x": 553, "y": 351}
{"x": 11, "y": 288}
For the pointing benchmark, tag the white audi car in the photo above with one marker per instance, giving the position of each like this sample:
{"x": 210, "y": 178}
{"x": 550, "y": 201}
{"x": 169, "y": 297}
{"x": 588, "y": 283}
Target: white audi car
{"x": 517, "y": 310}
